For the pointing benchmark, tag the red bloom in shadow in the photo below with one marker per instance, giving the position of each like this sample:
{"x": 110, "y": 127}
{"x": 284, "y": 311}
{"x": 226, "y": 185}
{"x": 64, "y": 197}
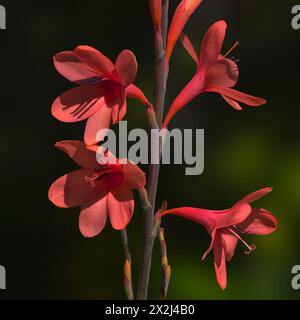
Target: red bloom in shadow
{"x": 215, "y": 73}
{"x": 102, "y": 92}
{"x": 227, "y": 226}
{"x": 100, "y": 190}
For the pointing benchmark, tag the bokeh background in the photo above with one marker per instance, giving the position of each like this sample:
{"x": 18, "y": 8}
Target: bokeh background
{"x": 40, "y": 245}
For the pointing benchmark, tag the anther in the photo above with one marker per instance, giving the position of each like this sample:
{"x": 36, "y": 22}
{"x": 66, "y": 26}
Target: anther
{"x": 233, "y": 47}
{"x": 92, "y": 179}
{"x": 249, "y": 247}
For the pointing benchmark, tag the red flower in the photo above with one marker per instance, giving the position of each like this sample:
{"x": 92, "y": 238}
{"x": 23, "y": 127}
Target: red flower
{"x": 227, "y": 226}
{"x": 100, "y": 190}
{"x": 102, "y": 92}
{"x": 181, "y": 16}
{"x": 215, "y": 73}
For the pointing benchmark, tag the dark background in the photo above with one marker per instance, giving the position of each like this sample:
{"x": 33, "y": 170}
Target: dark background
{"x": 40, "y": 245}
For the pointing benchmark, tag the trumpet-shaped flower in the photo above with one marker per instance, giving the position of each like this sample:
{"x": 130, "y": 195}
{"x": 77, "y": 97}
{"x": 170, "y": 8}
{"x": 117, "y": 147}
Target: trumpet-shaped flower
{"x": 215, "y": 73}
{"x": 103, "y": 88}
{"x": 226, "y": 228}
{"x": 101, "y": 191}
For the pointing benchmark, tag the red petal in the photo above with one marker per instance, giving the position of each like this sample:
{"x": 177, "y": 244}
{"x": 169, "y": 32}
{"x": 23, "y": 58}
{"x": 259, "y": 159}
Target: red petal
{"x": 189, "y": 92}
{"x": 101, "y": 120}
{"x": 237, "y": 95}
{"x": 72, "y": 190}
{"x": 134, "y": 176}
{"x": 233, "y": 215}
{"x": 211, "y": 246}
{"x": 189, "y": 47}
{"x": 122, "y": 111}
{"x": 83, "y": 155}
{"x": 223, "y": 73}
{"x": 72, "y": 68}
{"x": 260, "y": 222}
{"x": 120, "y": 206}
{"x": 93, "y": 217}
{"x": 134, "y": 92}
{"x": 233, "y": 103}
{"x": 126, "y": 66}
{"x": 181, "y": 16}
{"x": 212, "y": 44}
{"x": 78, "y": 104}
{"x": 229, "y": 242}
{"x": 220, "y": 262}
{"x": 115, "y": 113}
{"x": 116, "y": 102}
{"x": 255, "y": 195}
{"x": 95, "y": 60}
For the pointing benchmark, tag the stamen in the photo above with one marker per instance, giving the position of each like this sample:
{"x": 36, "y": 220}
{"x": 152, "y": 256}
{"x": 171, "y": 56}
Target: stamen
{"x": 92, "y": 179}
{"x": 100, "y": 173}
{"x": 235, "y": 60}
{"x": 249, "y": 247}
{"x": 233, "y": 47}
{"x": 252, "y": 248}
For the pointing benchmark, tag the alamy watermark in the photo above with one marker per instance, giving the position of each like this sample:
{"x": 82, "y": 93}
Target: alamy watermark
{"x": 296, "y": 17}
{"x": 2, "y": 278}
{"x": 2, "y": 18}
{"x": 296, "y": 279}
{"x": 166, "y": 147}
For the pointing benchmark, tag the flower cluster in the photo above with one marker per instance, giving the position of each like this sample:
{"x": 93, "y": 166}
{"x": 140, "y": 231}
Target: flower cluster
{"x": 100, "y": 98}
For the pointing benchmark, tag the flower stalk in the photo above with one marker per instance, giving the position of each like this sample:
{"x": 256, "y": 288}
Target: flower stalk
{"x": 104, "y": 190}
{"x": 160, "y": 92}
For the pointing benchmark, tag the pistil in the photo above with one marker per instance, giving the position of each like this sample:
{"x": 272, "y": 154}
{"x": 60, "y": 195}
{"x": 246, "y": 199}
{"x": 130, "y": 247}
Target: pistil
{"x": 249, "y": 247}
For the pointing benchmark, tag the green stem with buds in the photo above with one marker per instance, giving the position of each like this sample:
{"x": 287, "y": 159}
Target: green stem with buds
{"x": 160, "y": 92}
